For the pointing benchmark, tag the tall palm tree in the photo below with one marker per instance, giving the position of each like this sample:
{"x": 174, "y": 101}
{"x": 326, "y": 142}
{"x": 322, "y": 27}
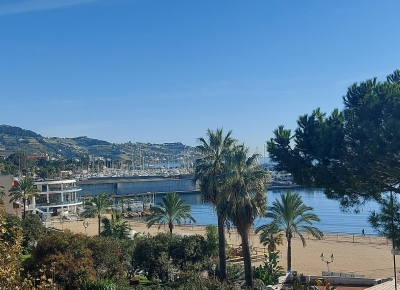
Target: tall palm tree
{"x": 24, "y": 190}
{"x": 208, "y": 172}
{"x": 115, "y": 226}
{"x": 172, "y": 210}
{"x": 291, "y": 216}
{"x": 98, "y": 205}
{"x": 272, "y": 238}
{"x": 246, "y": 198}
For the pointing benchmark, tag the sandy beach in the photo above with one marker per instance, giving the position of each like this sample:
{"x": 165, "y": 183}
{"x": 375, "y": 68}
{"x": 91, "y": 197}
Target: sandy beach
{"x": 369, "y": 255}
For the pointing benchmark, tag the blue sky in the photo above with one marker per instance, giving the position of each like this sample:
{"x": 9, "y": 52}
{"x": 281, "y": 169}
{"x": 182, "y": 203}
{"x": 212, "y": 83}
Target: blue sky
{"x": 166, "y": 71}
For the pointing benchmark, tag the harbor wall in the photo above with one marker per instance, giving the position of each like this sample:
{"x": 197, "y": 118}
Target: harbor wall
{"x": 136, "y": 186}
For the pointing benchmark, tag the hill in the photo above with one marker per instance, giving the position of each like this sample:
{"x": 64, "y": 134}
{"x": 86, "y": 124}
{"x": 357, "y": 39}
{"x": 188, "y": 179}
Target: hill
{"x": 15, "y": 139}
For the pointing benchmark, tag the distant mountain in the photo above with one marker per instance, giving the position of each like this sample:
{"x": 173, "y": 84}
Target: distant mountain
{"x": 15, "y": 139}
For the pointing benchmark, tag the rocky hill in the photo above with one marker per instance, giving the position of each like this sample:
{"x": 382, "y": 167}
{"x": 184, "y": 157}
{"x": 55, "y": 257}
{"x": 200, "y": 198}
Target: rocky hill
{"x": 15, "y": 139}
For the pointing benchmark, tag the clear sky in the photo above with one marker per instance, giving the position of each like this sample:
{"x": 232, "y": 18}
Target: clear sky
{"x": 165, "y": 71}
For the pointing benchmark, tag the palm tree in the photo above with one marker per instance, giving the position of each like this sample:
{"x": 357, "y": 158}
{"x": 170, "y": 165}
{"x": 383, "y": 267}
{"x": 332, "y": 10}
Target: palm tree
{"x": 24, "y": 190}
{"x": 98, "y": 205}
{"x": 123, "y": 200}
{"x": 291, "y": 216}
{"x": 172, "y": 210}
{"x": 208, "y": 172}
{"x": 272, "y": 237}
{"x": 246, "y": 198}
{"x": 115, "y": 227}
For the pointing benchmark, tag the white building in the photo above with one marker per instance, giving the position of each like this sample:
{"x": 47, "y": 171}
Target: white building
{"x": 58, "y": 197}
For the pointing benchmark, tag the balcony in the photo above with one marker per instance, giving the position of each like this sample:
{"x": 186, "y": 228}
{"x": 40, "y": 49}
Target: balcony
{"x": 69, "y": 188}
{"x": 59, "y": 203}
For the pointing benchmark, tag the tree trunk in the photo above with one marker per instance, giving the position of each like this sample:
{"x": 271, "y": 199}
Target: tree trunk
{"x": 24, "y": 202}
{"x": 171, "y": 227}
{"x": 99, "y": 217}
{"x": 222, "y": 252}
{"x": 289, "y": 253}
{"x": 248, "y": 270}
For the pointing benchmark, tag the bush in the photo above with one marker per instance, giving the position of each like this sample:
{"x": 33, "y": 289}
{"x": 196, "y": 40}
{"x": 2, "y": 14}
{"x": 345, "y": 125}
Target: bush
{"x": 99, "y": 285}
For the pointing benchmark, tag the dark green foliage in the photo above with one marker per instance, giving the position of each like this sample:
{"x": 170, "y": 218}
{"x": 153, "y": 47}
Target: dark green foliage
{"x": 354, "y": 153}
{"x": 13, "y": 227}
{"x": 270, "y": 272}
{"x": 156, "y": 255}
{"x": 212, "y": 240}
{"x": 99, "y": 285}
{"x": 107, "y": 259}
{"x": 387, "y": 221}
{"x": 66, "y": 256}
{"x": 115, "y": 226}
{"x": 11, "y": 130}
{"x": 189, "y": 250}
{"x": 152, "y": 254}
{"x": 33, "y": 230}
{"x": 75, "y": 259}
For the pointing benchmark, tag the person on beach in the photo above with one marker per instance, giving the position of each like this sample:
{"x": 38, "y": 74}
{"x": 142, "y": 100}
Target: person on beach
{"x": 363, "y": 233}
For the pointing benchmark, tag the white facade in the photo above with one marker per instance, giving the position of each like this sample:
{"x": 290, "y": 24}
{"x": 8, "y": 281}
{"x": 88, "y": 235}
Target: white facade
{"x": 58, "y": 197}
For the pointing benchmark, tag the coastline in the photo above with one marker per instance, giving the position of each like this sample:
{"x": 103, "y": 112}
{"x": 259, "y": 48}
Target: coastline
{"x": 369, "y": 255}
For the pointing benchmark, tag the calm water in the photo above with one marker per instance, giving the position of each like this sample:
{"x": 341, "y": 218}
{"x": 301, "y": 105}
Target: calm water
{"x": 332, "y": 219}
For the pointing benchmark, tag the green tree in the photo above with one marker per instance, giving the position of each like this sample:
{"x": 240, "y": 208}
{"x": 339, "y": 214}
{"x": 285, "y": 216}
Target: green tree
{"x": 108, "y": 257}
{"x": 291, "y": 216}
{"x": 247, "y": 199}
{"x": 353, "y": 154}
{"x": 171, "y": 210}
{"x": 208, "y": 173}
{"x": 188, "y": 251}
{"x": 98, "y": 205}
{"x": 33, "y": 230}
{"x": 10, "y": 250}
{"x": 387, "y": 221}
{"x": 24, "y": 190}
{"x": 212, "y": 240}
{"x": 65, "y": 256}
{"x": 272, "y": 238}
{"x": 152, "y": 255}
{"x": 115, "y": 226}
{"x": 270, "y": 272}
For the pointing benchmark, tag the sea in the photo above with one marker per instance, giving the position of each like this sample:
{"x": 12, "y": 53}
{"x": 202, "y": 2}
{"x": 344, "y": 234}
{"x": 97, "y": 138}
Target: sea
{"x": 333, "y": 220}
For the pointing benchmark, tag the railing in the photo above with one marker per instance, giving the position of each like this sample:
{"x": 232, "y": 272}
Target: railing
{"x": 74, "y": 188}
{"x": 57, "y": 203}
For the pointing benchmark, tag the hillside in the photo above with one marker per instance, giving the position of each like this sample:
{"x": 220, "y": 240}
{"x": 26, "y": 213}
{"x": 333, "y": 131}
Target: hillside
{"x": 15, "y": 139}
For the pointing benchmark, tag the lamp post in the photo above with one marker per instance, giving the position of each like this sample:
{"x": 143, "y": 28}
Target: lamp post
{"x": 213, "y": 268}
{"x": 85, "y": 225}
{"x": 170, "y": 262}
{"x": 53, "y": 272}
{"x": 326, "y": 261}
{"x": 62, "y": 223}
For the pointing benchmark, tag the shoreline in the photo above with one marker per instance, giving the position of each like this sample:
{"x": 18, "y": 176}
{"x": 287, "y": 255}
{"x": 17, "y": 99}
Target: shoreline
{"x": 366, "y": 255}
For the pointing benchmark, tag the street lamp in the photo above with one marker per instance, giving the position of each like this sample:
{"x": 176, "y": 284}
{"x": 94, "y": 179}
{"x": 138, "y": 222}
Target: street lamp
{"x": 85, "y": 224}
{"x": 326, "y": 261}
{"x": 62, "y": 223}
{"x": 213, "y": 268}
